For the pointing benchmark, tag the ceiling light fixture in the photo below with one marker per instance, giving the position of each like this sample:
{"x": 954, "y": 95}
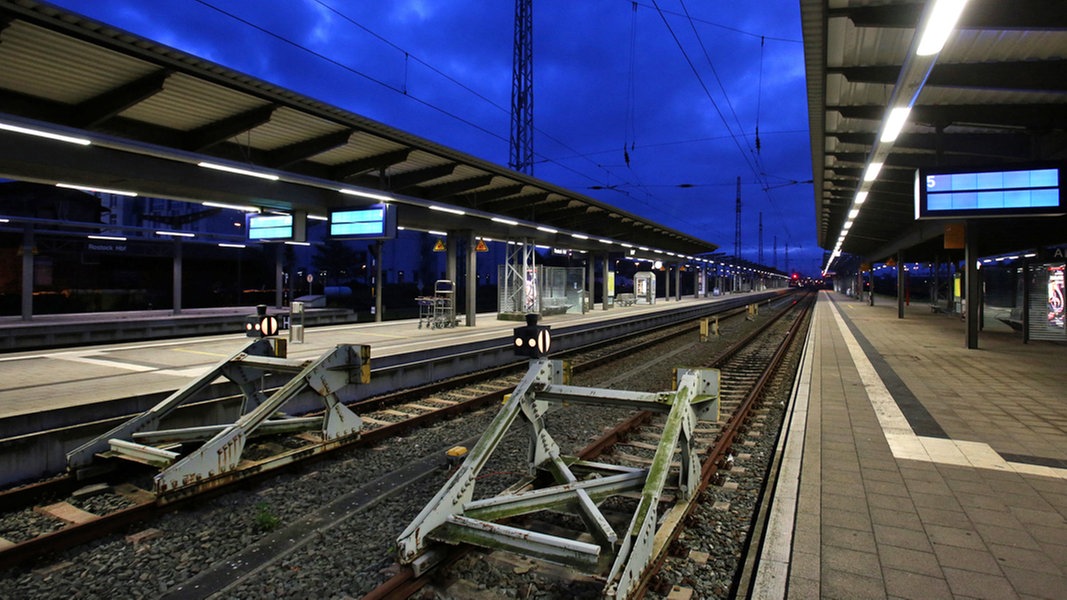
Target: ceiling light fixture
{"x": 45, "y": 134}
{"x": 454, "y": 211}
{"x": 895, "y": 123}
{"x": 362, "y": 194}
{"x": 939, "y": 25}
{"x": 253, "y": 209}
{"x": 238, "y": 171}
{"x": 84, "y": 188}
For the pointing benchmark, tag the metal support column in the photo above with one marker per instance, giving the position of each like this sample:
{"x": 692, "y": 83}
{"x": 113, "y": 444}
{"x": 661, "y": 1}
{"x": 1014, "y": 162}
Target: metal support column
{"x": 698, "y": 275}
{"x": 472, "y": 278}
{"x": 591, "y": 282}
{"x": 972, "y": 274}
{"x": 678, "y": 282}
{"x": 667, "y": 283}
{"x": 28, "y": 267}
{"x": 378, "y": 308}
{"x": 607, "y": 275}
{"x": 450, "y": 260}
{"x": 900, "y": 284}
{"x": 279, "y": 253}
{"x": 177, "y": 286}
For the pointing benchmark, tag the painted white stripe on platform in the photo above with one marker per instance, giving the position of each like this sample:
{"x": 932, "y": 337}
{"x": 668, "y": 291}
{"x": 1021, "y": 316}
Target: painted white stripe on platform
{"x": 902, "y": 439}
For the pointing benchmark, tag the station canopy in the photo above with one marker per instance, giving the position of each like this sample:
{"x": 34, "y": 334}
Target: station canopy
{"x": 154, "y": 114}
{"x": 996, "y": 95}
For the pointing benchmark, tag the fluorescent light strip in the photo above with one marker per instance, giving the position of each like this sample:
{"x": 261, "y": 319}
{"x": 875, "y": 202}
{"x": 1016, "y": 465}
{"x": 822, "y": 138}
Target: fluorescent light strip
{"x": 861, "y": 198}
{"x": 895, "y": 123}
{"x": 317, "y": 218}
{"x": 224, "y": 245}
{"x": 176, "y": 234}
{"x": 852, "y": 214}
{"x": 4, "y": 220}
{"x": 579, "y": 236}
{"x": 603, "y": 241}
{"x": 110, "y": 238}
{"x": 937, "y": 28}
{"x": 46, "y": 134}
{"x": 547, "y": 229}
{"x": 365, "y": 194}
{"x": 299, "y": 243}
{"x": 872, "y": 171}
{"x": 454, "y": 211}
{"x": 85, "y": 188}
{"x": 254, "y": 209}
{"x": 432, "y": 232}
{"x": 504, "y": 221}
{"x": 238, "y": 171}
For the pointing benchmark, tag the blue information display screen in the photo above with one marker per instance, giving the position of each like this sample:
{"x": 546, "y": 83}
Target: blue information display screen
{"x": 369, "y": 222}
{"x": 1005, "y": 192}
{"x": 270, "y": 227}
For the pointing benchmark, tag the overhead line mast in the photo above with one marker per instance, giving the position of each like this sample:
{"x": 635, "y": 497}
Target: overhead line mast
{"x": 522, "y": 155}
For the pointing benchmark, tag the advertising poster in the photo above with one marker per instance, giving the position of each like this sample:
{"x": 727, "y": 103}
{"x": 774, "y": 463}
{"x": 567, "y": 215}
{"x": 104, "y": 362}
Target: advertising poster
{"x": 1055, "y": 298}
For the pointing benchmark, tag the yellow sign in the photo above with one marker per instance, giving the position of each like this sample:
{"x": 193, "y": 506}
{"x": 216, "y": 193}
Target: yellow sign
{"x": 439, "y": 246}
{"x": 481, "y": 247}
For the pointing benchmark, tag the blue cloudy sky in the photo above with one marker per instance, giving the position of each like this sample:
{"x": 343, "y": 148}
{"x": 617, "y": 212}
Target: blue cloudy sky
{"x": 680, "y": 86}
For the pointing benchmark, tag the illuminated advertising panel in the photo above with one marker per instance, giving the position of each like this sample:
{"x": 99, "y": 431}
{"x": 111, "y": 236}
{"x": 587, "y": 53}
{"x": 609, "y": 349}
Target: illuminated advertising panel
{"x": 1004, "y": 191}
{"x": 1055, "y": 298}
{"x": 375, "y": 222}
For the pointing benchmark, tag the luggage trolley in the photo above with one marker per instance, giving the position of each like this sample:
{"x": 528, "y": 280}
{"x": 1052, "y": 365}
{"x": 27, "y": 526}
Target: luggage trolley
{"x": 439, "y": 310}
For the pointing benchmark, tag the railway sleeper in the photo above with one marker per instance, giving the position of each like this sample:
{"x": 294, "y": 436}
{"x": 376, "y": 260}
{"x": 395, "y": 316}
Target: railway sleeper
{"x": 219, "y": 440}
{"x": 618, "y": 555}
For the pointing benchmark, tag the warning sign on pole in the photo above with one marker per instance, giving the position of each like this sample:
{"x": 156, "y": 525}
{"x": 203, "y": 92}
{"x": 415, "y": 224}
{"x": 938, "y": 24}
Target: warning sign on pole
{"x": 481, "y": 247}
{"x": 439, "y": 246}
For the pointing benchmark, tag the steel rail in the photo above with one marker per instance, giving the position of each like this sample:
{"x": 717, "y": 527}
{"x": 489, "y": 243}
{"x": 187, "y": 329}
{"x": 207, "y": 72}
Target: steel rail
{"x": 74, "y": 535}
{"x": 405, "y": 583}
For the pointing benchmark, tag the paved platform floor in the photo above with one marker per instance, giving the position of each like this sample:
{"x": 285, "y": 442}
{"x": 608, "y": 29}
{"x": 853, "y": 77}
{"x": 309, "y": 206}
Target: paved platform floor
{"x": 916, "y": 468}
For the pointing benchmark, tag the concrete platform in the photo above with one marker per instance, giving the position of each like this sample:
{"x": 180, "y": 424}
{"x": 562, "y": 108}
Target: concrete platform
{"x": 915, "y": 468}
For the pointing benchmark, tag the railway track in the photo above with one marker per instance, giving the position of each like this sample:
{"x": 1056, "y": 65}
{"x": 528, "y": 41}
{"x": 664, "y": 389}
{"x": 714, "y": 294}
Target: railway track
{"x": 67, "y": 512}
{"x": 747, "y": 367}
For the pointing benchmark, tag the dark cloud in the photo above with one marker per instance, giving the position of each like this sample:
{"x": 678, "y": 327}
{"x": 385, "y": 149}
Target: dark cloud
{"x": 443, "y": 72}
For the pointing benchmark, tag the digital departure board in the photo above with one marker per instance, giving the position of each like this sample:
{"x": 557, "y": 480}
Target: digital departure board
{"x": 999, "y": 192}
{"x": 375, "y": 222}
{"x": 270, "y": 227}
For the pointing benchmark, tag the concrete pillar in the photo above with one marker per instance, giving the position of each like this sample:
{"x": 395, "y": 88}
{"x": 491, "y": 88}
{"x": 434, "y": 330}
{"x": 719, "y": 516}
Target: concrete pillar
{"x": 667, "y": 283}
{"x": 678, "y": 282}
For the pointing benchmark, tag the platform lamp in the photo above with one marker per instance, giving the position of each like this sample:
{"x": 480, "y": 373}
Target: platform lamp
{"x": 260, "y": 324}
{"x": 533, "y": 340}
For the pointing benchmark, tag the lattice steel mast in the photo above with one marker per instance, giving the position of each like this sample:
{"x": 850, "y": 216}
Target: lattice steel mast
{"x": 522, "y": 154}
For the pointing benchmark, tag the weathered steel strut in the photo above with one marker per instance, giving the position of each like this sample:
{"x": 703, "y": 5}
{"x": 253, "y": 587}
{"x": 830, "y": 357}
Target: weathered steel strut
{"x": 453, "y": 516}
{"x": 222, "y": 444}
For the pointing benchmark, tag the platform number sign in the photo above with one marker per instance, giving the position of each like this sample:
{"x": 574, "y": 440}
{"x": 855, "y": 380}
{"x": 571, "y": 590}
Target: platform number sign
{"x": 533, "y": 340}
